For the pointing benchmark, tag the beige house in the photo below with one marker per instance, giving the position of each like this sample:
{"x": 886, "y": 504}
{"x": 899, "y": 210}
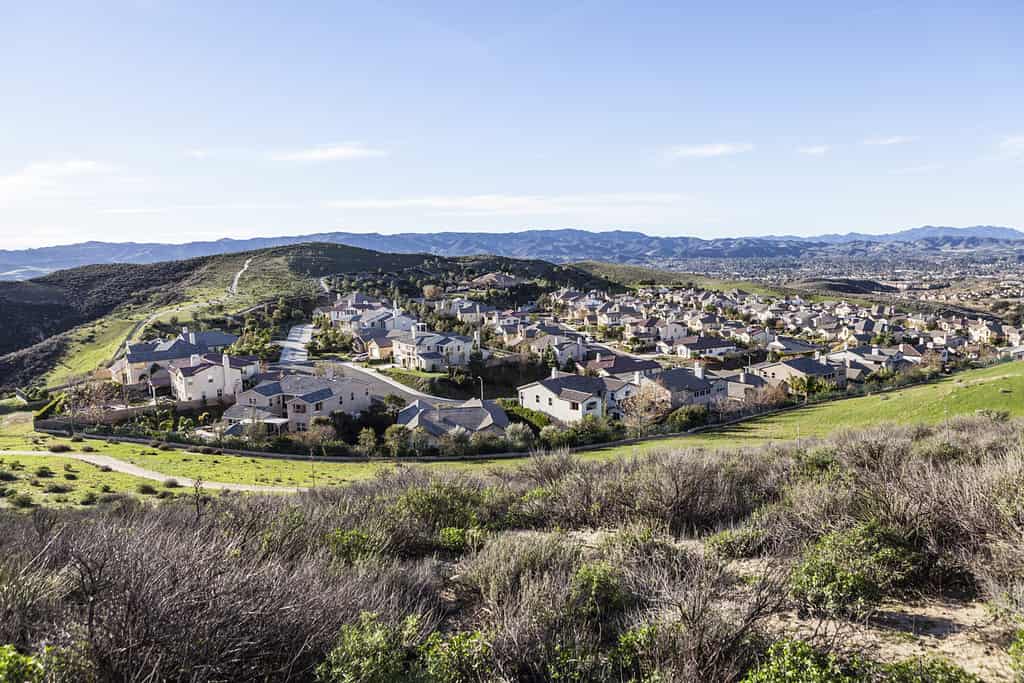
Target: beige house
{"x": 211, "y": 377}
{"x": 292, "y": 402}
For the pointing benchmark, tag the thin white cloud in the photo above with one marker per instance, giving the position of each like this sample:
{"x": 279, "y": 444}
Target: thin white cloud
{"x": 708, "y": 151}
{"x": 45, "y": 177}
{"x": 815, "y": 150}
{"x": 890, "y": 140}
{"x": 340, "y": 152}
{"x": 501, "y": 204}
{"x": 180, "y": 208}
{"x": 197, "y": 153}
{"x": 1012, "y": 146}
{"x": 916, "y": 170}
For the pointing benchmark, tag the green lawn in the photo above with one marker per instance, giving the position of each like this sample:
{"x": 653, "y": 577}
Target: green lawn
{"x": 68, "y": 480}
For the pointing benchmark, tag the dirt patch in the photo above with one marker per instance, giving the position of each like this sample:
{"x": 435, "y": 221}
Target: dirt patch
{"x": 964, "y": 633}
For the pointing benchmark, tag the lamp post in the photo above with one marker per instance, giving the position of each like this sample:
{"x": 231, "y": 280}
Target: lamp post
{"x": 481, "y": 387}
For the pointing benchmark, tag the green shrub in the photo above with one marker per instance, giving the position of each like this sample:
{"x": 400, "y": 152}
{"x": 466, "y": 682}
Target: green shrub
{"x": 462, "y": 657}
{"x": 8, "y": 476}
{"x": 145, "y": 489}
{"x": 1017, "y": 655}
{"x": 70, "y": 476}
{"x": 77, "y": 439}
{"x": 22, "y": 500}
{"x": 350, "y": 545}
{"x": 60, "y": 448}
{"x": 687, "y": 417}
{"x": 43, "y": 472}
{"x": 457, "y": 539}
{"x": 597, "y": 591}
{"x": 371, "y": 652}
{"x": 849, "y": 572}
{"x": 55, "y": 487}
{"x": 89, "y": 498}
{"x": 18, "y": 668}
{"x": 171, "y": 484}
{"x": 815, "y": 462}
{"x": 933, "y": 670}
{"x": 732, "y": 544}
{"x": 794, "y": 661}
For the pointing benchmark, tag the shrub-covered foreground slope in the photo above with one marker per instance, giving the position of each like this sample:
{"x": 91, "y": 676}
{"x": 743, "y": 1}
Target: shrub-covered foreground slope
{"x": 773, "y": 564}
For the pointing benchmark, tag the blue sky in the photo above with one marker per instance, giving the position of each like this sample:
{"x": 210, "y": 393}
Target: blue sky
{"x": 171, "y": 121}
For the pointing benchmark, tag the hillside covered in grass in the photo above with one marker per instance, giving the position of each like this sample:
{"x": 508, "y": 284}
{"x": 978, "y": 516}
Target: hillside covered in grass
{"x": 72, "y": 321}
{"x": 890, "y": 554}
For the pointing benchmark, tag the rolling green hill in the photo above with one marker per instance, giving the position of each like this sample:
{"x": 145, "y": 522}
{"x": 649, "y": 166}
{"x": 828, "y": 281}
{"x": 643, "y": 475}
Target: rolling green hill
{"x": 70, "y": 322}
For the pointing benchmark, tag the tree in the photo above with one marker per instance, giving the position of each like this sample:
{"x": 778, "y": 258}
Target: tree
{"x": 367, "y": 442}
{"x": 316, "y": 436}
{"x": 642, "y": 409}
{"x": 394, "y": 403}
{"x": 396, "y": 440}
{"x": 419, "y": 441}
{"x": 519, "y": 435}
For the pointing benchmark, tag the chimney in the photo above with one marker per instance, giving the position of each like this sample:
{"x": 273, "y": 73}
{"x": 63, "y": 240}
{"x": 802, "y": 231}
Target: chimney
{"x": 597, "y": 357}
{"x": 194, "y": 360}
{"x": 743, "y": 376}
{"x": 698, "y": 369}
{"x": 554, "y": 373}
{"x": 636, "y": 377}
{"x": 225, "y": 360}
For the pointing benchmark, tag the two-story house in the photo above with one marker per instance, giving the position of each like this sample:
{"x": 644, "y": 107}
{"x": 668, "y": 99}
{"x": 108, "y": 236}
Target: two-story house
{"x": 569, "y": 398}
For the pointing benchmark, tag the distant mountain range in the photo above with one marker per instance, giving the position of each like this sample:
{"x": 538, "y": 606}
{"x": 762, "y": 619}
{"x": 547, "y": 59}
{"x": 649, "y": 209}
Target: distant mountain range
{"x": 927, "y": 232}
{"x": 550, "y": 245}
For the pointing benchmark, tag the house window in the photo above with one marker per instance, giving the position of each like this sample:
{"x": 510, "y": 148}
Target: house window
{"x": 319, "y": 406}
{"x": 549, "y": 400}
{"x": 536, "y": 398}
{"x": 573, "y": 405}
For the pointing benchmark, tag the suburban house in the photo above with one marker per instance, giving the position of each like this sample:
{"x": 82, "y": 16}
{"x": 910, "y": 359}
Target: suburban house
{"x": 789, "y": 346}
{"x": 742, "y": 386}
{"x": 377, "y": 344}
{"x": 291, "y": 402}
{"x": 618, "y": 366}
{"x": 683, "y": 386}
{"x": 142, "y": 360}
{"x": 212, "y": 377}
{"x": 569, "y": 398}
{"x": 700, "y": 347}
{"x": 782, "y": 372}
{"x": 474, "y": 416}
{"x": 421, "y": 349}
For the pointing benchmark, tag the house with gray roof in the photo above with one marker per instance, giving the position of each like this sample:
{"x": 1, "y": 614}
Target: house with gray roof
{"x": 292, "y": 402}
{"x": 569, "y": 397}
{"x": 473, "y": 416}
{"x": 141, "y": 360}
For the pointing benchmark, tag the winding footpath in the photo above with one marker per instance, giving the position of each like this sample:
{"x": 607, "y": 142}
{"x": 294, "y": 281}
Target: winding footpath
{"x": 123, "y": 467}
{"x": 233, "y": 289}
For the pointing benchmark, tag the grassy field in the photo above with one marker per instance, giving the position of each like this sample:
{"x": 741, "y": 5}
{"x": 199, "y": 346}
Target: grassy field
{"x": 53, "y": 481}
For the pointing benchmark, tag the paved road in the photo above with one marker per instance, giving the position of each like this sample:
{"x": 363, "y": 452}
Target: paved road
{"x": 128, "y": 468}
{"x": 293, "y": 349}
{"x": 382, "y": 385}
{"x": 233, "y": 289}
